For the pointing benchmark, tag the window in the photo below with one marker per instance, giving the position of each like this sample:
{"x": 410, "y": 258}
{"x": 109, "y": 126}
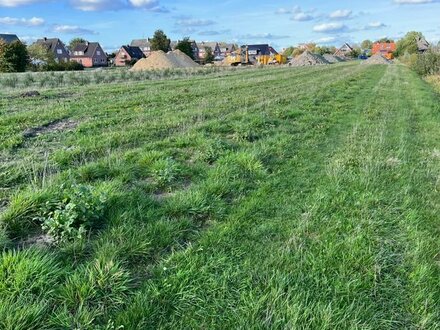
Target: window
{"x": 98, "y": 52}
{"x": 59, "y": 51}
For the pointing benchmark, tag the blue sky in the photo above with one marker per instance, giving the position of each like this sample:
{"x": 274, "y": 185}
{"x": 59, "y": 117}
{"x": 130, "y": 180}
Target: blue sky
{"x": 281, "y": 23}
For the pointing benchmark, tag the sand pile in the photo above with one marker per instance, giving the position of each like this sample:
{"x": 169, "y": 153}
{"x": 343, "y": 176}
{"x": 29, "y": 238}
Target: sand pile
{"x": 181, "y": 59}
{"x": 332, "y": 58}
{"x": 307, "y": 58}
{"x": 377, "y": 59}
{"x": 161, "y": 60}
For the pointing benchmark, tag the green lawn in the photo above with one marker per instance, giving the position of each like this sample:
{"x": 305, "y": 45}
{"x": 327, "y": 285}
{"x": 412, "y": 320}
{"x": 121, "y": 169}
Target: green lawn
{"x": 274, "y": 198}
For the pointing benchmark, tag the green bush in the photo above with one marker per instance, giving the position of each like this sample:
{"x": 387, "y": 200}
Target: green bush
{"x": 63, "y": 66}
{"x": 427, "y": 64}
{"x": 80, "y": 208}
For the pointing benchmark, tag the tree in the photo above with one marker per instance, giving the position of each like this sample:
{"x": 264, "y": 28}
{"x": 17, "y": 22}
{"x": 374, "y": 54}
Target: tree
{"x": 160, "y": 41}
{"x": 355, "y": 53}
{"x": 13, "y": 57}
{"x": 408, "y": 44}
{"x": 297, "y": 51}
{"x": 386, "y": 40}
{"x": 325, "y": 50}
{"x": 288, "y": 51}
{"x": 40, "y": 53}
{"x": 209, "y": 55}
{"x": 76, "y": 41}
{"x": 185, "y": 46}
{"x": 367, "y": 44}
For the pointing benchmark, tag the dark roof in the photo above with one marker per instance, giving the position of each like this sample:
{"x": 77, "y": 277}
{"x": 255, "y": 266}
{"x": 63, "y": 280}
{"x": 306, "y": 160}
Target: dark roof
{"x": 134, "y": 52}
{"x": 8, "y": 38}
{"x": 272, "y": 50}
{"x": 262, "y": 49}
{"x": 50, "y": 43}
{"x": 89, "y": 49}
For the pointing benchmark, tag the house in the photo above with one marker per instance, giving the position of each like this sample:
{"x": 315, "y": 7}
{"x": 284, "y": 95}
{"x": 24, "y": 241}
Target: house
{"x": 215, "y": 48}
{"x": 56, "y": 47}
{"x": 422, "y": 45}
{"x": 9, "y": 38}
{"x": 226, "y": 49}
{"x": 385, "y": 48}
{"x": 127, "y": 54}
{"x": 143, "y": 44}
{"x": 344, "y": 51}
{"x": 89, "y": 54}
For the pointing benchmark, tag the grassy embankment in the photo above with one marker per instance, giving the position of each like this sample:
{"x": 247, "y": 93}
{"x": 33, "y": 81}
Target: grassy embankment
{"x": 275, "y": 198}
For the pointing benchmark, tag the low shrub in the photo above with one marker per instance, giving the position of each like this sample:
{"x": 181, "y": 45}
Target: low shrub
{"x": 63, "y": 66}
{"x": 70, "y": 218}
{"x": 426, "y": 64}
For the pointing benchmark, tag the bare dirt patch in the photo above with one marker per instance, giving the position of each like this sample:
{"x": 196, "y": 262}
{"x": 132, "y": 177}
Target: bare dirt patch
{"x": 40, "y": 240}
{"x": 54, "y": 126}
{"x": 30, "y": 94}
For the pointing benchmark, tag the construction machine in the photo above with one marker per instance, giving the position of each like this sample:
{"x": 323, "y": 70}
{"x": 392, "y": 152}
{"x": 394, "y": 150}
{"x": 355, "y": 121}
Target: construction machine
{"x": 271, "y": 59}
{"x": 244, "y": 56}
{"x": 239, "y": 57}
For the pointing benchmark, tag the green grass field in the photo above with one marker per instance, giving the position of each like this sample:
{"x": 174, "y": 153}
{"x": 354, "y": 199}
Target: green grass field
{"x": 273, "y": 198}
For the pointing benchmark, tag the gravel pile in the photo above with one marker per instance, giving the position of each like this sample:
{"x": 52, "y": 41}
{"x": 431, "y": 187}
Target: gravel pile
{"x": 377, "y": 59}
{"x": 307, "y": 58}
{"x": 332, "y": 58}
{"x": 161, "y": 60}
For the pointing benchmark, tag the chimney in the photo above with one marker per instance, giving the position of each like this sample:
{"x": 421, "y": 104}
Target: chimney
{"x": 45, "y": 39}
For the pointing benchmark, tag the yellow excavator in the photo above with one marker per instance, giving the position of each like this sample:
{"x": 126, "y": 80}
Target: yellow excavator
{"x": 240, "y": 57}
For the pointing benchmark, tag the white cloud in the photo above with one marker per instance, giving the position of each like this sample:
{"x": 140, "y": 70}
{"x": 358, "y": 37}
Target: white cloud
{"x": 34, "y": 21}
{"x": 98, "y": 5}
{"x": 302, "y": 17}
{"x": 16, "y": 3}
{"x": 71, "y": 29}
{"x": 329, "y": 27}
{"x": 414, "y": 2}
{"x": 263, "y": 36}
{"x": 341, "y": 14}
{"x": 375, "y": 25}
{"x": 281, "y": 11}
{"x": 194, "y": 22}
{"x": 326, "y": 40}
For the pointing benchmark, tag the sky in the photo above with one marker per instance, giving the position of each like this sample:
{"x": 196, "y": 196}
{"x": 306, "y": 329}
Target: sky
{"x": 280, "y": 23}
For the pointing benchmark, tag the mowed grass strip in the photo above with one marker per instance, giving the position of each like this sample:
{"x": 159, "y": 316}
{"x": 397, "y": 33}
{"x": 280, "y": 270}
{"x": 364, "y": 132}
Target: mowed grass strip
{"x": 272, "y": 198}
